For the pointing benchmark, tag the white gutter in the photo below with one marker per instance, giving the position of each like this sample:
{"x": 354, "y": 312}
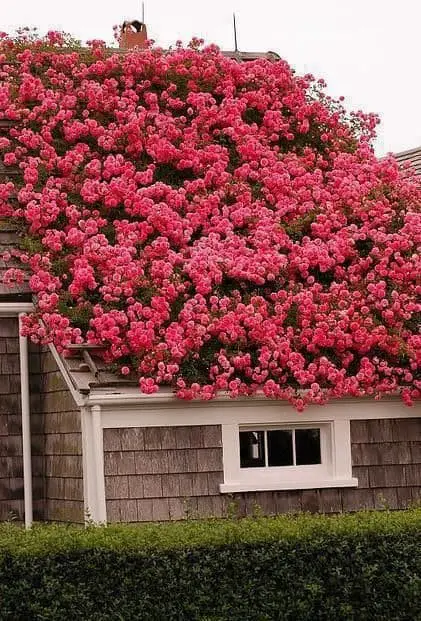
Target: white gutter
{"x": 12, "y": 309}
{"x": 133, "y": 396}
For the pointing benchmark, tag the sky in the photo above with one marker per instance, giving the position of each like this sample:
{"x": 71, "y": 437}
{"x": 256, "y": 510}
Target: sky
{"x": 367, "y": 50}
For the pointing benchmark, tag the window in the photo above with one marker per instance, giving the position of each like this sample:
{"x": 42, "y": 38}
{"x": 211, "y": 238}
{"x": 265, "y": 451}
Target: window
{"x": 272, "y": 456}
{"x": 280, "y": 447}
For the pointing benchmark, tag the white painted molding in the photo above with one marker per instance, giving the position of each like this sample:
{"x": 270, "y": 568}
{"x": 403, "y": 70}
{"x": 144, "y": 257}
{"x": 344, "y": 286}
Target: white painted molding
{"x": 247, "y": 412}
{"x": 131, "y": 396}
{"x": 335, "y": 469}
{"x": 87, "y": 464}
{"x": 231, "y": 488}
{"x": 93, "y": 466}
{"x": 98, "y": 448}
{"x": 11, "y": 309}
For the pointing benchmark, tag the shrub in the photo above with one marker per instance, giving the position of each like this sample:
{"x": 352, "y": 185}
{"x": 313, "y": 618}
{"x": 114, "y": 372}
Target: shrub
{"x": 364, "y": 567}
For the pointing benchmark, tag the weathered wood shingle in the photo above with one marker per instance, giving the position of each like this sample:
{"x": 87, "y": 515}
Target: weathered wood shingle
{"x": 412, "y": 157}
{"x": 179, "y": 471}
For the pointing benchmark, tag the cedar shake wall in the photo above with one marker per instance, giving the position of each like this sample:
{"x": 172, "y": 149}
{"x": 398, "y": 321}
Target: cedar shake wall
{"x": 56, "y": 435}
{"x": 170, "y": 473}
{"x": 11, "y": 467}
{"x": 163, "y": 473}
{"x": 56, "y": 441}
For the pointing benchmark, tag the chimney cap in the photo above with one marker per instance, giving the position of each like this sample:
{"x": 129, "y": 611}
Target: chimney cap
{"x": 133, "y": 34}
{"x": 136, "y": 24}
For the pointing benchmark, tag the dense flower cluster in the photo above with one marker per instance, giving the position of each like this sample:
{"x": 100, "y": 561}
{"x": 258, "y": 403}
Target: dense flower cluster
{"x": 215, "y": 225}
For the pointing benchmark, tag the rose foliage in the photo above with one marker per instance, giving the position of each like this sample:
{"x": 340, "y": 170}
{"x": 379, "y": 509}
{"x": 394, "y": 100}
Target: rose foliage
{"x": 215, "y": 225}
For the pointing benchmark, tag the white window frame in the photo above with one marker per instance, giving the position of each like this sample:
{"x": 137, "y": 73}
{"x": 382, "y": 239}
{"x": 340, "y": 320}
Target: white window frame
{"x": 334, "y": 471}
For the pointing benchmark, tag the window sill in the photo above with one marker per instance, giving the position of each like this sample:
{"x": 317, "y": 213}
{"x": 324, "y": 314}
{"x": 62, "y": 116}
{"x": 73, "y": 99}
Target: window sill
{"x": 230, "y": 488}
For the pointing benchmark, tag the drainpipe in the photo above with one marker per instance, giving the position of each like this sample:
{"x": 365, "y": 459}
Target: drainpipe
{"x": 26, "y": 426}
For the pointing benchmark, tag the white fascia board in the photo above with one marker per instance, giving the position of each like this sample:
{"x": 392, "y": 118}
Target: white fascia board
{"x": 10, "y": 309}
{"x": 180, "y": 413}
{"x": 133, "y": 396}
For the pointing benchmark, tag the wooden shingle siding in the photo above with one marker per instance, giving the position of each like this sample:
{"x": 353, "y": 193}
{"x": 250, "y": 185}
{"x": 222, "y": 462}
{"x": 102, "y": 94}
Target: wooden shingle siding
{"x": 163, "y": 473}
{"x": 387, "y": 461}
{"x": 171, "y": 473}
{"x": 8, "y": 171}
{"x": 11, "y": 466}
{"x": 56, "y": 441}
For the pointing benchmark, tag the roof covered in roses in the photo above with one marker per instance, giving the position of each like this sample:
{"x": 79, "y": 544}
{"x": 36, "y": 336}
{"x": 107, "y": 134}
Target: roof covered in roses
{"x": 208, "y": 225}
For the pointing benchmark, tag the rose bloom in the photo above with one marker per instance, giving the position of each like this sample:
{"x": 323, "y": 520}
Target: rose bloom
{"x": 219, "y": 225}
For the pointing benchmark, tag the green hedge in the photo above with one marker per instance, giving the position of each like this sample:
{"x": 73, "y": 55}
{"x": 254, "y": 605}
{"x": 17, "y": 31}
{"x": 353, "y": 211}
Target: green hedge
{"x": 362, "y": 567}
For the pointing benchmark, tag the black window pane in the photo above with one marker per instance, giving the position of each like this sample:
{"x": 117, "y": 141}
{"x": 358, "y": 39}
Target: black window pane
{"x": 252, "y": 449}
{"x": 280, "y": 448}
{"x": 307, "y": 446}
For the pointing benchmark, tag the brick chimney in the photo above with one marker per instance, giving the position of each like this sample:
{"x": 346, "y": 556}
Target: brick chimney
{"x": 133, "y": 34}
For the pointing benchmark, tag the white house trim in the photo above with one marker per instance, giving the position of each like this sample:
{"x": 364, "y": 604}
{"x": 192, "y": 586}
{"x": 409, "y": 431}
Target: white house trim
{"x": 93, "y": 465}
{"x": 335, "y": 469}
{"x": 98, "y": 447}
{"x": 175, "y": 413}
{"x": 167, "y": 398}
{"x": 11, "y": 309}
{"x": 252, "y": 486}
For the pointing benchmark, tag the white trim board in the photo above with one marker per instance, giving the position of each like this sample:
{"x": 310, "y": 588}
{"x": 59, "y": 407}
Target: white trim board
{"x": 93, "y": 466}
{"x": 249, "y": 411}
{"x": 11, "y": 309}
{"x": 131, "y": 396}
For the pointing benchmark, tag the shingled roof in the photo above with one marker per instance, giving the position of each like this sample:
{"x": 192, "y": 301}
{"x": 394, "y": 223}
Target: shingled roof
{"x": 9, "y": 239}
{"x": 412, "y": 157}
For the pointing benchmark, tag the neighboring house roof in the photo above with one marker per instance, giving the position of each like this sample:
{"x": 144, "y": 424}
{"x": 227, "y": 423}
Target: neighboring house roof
{"x": 236, "y": 55}
{"x": 246, "y": 56}
{"x": 413, "y": 157}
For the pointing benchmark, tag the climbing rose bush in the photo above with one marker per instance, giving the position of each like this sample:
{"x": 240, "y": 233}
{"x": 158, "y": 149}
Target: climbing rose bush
{"x": 214, "y": 225}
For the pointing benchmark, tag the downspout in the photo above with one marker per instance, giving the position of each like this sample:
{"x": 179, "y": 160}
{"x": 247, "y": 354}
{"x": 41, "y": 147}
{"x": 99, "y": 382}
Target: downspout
{"x": 26, "y": 426}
